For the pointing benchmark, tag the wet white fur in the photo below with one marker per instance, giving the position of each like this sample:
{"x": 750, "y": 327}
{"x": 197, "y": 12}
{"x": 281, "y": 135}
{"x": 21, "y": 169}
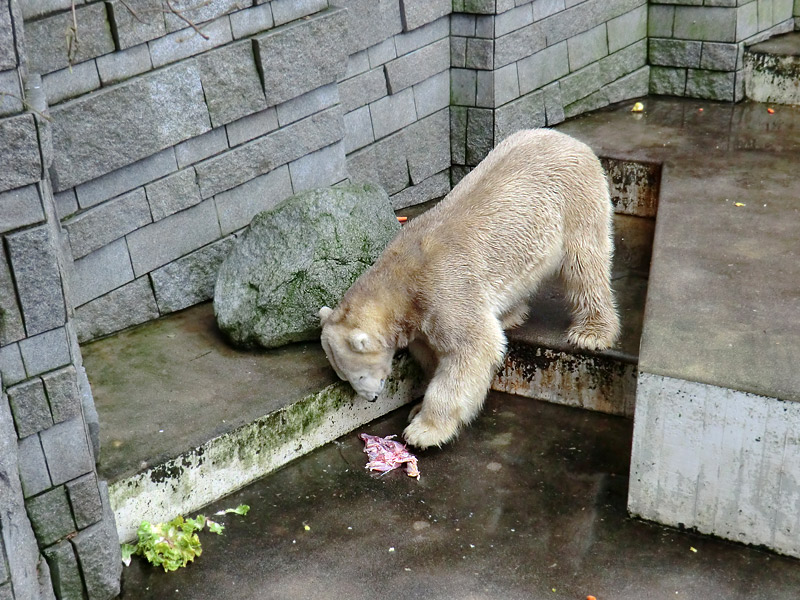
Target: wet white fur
{"x": 454, "y": 278}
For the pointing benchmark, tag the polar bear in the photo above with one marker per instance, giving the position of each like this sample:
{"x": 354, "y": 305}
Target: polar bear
{"x": 458, "y": 275}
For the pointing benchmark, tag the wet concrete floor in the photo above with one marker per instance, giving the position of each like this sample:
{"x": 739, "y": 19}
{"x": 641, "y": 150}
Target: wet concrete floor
{"x": 529, "y": 503}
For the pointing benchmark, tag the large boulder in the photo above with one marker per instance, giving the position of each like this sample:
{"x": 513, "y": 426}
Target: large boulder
{"x": 297, "y": 257}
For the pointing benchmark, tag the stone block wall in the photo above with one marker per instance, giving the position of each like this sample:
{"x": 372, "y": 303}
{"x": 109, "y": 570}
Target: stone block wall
{"x": 518, "y": 64}
{"x": 696, "y": 47}
{"x": 57, "y": 531}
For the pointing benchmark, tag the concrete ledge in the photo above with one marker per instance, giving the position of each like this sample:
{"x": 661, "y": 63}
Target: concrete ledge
{"x": 718, "y": 461}
{"x": 228, "y": 462}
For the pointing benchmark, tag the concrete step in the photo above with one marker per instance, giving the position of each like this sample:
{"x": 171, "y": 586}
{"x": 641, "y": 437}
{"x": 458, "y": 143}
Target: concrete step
{"x": 772, "y": 70}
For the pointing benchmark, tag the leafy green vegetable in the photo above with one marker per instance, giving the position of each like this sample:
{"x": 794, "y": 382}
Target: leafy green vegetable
{"x": 174, "y": 544}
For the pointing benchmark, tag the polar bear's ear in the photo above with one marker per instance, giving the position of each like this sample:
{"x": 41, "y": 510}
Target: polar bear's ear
{"x": 324, "y": 313}
{"x": 360, "y": 341}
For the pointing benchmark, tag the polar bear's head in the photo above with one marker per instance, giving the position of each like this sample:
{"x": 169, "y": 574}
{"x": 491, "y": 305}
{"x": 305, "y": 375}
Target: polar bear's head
{"x": 356, "y": 355}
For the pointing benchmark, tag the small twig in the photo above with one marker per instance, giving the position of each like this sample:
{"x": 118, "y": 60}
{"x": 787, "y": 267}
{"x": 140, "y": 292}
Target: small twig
{"x": 72, "y": 37}
{"x": 133, "y": 12}
{"x": 179, "y": 14}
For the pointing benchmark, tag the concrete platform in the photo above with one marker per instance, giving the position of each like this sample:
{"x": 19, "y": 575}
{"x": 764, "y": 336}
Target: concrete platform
{"x": 715, "y": 445}
{"x": 528, "y": 503}
{"x": 772, "y": 69}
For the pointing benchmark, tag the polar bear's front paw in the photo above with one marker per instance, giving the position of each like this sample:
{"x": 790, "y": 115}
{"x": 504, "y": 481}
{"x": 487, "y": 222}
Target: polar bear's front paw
{"x": 424, "y": 432}
{"x": 593, "y": 336}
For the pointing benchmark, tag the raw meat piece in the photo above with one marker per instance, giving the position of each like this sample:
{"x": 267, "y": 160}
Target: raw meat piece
{"x": 385, "y": 454}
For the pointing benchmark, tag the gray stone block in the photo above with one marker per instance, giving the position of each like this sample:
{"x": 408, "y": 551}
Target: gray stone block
{"x": 632, "y": 85}
{"x": 719, "y": 57}
{"x": 370, "y": 22}
{"x": 419, "y": 65}
{"x": 587, "y": 47}
{"x": 541, "y": 68}
{"x": 627, "y": 29}
{"x": 35, "y": 266}
{"x": 659, "y": 20}
{"x": 484, "y": 93}
{"x": 250, "y": 21}
{"x": 29, "y": 407}
{"x": 126, "y": 179}
{"x": 66, "y": 450}
{"x": 416, "y": 13}
{"x": 173, "y": 193}
{"x": 199, "y": 11}
{"x": 172, "y": 237}
{"x": 583, "y": 16}
{"x": 746, "y": 23}
{"x": 513, "y": 19}
{"x": 382, "y": 53}
{"x": 129, "y": 305}
{"x": 122, "y": 65}
{"x": 33, "y": 472}
{"x": 713, "y": 24}
{"x": 581, "y": 83}
{"x": 188, "y": 42}
{"x": 458, "y": 135}
{"x": 107, "y": 222}
{"x": 593, "y": 101}
{"x": 46, "y": 351}
{"x": 437, "y": 186}
{"x": 428, "y": 146}
{"x": 253, "y": 126}
{"x": 384, "y": 163}
{"x": 11, "y": 325}
{"x": 526, "y": 113}
{"x": 70, "y": 82}
{"x": 358, "y": 129}
{"x": 519, "y": 44}
{"x": 623, "y": 62}
{"x": 362, "y": 89}
{"x": 21, "y": 159}
{"x": 20, "y": 208}
{"x": 90, "y": 140}
{"x": 231, "y": 83}
{"x": 674, "y": 53}
{"x": 62, "y": 393}
{"x": 711, "y": 85}
{"x": 545, "y": 8}
{"x": 425, "y": 35}
{"x": 302, "y": 56}
{"x": 64, "y": 571}
{"x": 190, "y": 280}
{"x": 50, "y": 516}
{"x": 458, "y": 52}
{"x": 393, "y": 113}
{"x": 270, "y": 151}
{"x": 479, "y": 6}
{"x": 66, "y": 203}
{"x": 480, "y": 134}
{"x": 46, "y": 39}
{"x": 137, "y": 21}
{"x": 12, "y": 369}
{"x": 432, "y": 95}
{"x": 463, "y": 87}
{"x": 284, "y": 11}
{"x": 667, "y": 81}
{"x": 8, "y": 55}
{"x": 357, "y": 63}
{"x": 307, "y": 104}
{"x": 100, "y": 272}
{"x": 553, "y": 106}
{"x": 462, "y": 24}
{"x": 206, "y": 145}
{"x": 322, "y": 168}
{"x": 98, "y": 552}
{"x": 303, "y": 254}
{"x": 10, "y": 93}
{"x": 237, "y": 207}
{"x": 84, "y": 498}
{"x": 479, "y": 54}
